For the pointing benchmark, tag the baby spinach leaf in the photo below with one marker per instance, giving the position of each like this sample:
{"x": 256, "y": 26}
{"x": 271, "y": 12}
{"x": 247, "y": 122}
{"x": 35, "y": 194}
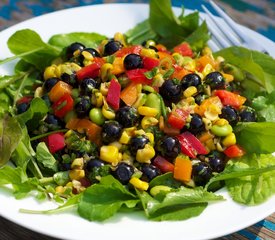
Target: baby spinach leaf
{"x": 101, "y": 201}
{"x": 88, "y": 39}
{"x": 45, "y": 158}
{"x": 256, "y": 137}
{"x": 180, "y": 204}
{"x": 253, "y": 189}
{"x": 28, "y": 45}
{"x": 10, "y": 136}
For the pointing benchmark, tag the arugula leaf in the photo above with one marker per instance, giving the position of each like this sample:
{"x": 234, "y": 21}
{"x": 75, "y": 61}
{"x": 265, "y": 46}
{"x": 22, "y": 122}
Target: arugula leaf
{"x": 5, "y": 103}
{"x": 44, "y": 157}
{"x": 166, "y": 179}
{"x": 88, "y": 39}
{"x": 101, "y": 201}
{"x": 265, "y": 107}
{"x": 28, "y": 45}
{"x": 10, "y": 136}
{"x": 140, "y": 33}
{"x": 178, "y": 204}
{"x": 256, "y": 137}
{"x": 37, "y": 111}
{"x": 253, "y": 189}
{"x": 258, "y": 67}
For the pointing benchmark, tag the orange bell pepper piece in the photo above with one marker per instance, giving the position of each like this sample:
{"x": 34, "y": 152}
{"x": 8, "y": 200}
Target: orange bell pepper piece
{"x": 118, "y": 66}
{"x": 129, "y": 94}
{"x": 183, "y": 169}
{"x": 58, "y": 90}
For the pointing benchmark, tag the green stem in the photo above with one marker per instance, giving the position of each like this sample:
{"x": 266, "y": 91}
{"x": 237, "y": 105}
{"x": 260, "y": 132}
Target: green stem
{"x": 11, "y": 80}
{"x": 20, "y": 55}
{"x": 55, "y": 210}
{"x": 47, "y": 134}
{"x": 46, "y": 180}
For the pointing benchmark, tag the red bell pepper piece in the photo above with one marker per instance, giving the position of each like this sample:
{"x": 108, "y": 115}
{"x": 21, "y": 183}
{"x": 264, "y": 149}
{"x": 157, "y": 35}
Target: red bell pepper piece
{"x": 234, "y": 151}
{"x": 55, "y": 142}
{"x": 25, "y": 99}
{"x": 90, "y": 71}
{"x": 177, "y": 118}
{"x": 195, "y": 143}
{"x": 128, "y": 50}
{"x": 163, "y": 165}
{"x": 230, "y": 98}
{"x": 113, "y": 96}
{"x": 63, "y": 105}
{"x": 150, "y": 63}
{"x": 137, "y": 76}
{"x": 190, "y": 145}
{"x": 184, "y": 49}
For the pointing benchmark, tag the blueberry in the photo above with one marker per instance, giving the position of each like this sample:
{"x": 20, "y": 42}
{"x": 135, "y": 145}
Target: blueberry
{"x": 230, "y": 114}
{"x": 111, "y": 47}
{"x": 171, "y": 90}
{"x": 111, "y": 131}
{"x": 201, "y": 173}
{"x": 83, "y": 106}
{"x": 94, "y": 163}
{"x": 49, "y": 83}
{"x": 215, "y": 80}
{"x": 133, "y": 61}
{"x": 137, "y": 142}
{"x": 247, "y": 114}
{"x": 72, "y": 48}
{"x": 149, "y": 172}
{"x": 216, "y": 163}
{"x": 127, "y": 116}
{"x": 52, "y": 120}
{"x": 124, "y": 172}
{"x": 169, "y": 147}
{"x": 69, "y": 78}
{"x": 191, "y": 79}
{"x": 87, "y": 85}
{"x": 196, "y": 124}
{"x": 22, "y": 107}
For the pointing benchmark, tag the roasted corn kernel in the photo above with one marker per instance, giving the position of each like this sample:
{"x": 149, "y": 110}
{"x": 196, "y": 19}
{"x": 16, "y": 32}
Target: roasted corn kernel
{"x": 76, "y": 174}
{"x": 190, "y": 91}
{"x": 146, "y": 154}
{"x": 139, "y": 184}
{"x": 147, "y": 111}
{"x": 105, "y": 70}
{"x": 109, "y": 154}
{"x": 125, "y": 137}
{"x": 145, "y": 52}
{"x": 229, "y": 140}
{"x": 148, "y": 121}
{"x": 50, "y": 72}
{"x": 77, "y": 163}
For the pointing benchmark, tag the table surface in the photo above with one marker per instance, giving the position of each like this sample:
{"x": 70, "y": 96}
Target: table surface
{"x": 255, "y": 14}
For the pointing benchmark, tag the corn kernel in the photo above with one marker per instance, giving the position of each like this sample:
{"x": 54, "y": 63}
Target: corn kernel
{"x": 50, "y": 72}
{"x": 38, "y": 92}
{"x": 139, "y": 132}
{"x": 127, "y": 157}
{"x": 147, "y": 111}
{"x": 228, "y": 77}
{"x": 207, "y": 123}
{"x": 77, "y": 163}
{"x": 105, "y": 70}
{"x": 205, "y": 136}
{"x": 206, "y": 51}
{"x": 207, "y": 69}
{"x": 125, "y": 137}
{"x": 139, "y": 184}
{"x": 104, "y": 88}
{"x": 221, "y": 122}
{"x": 76, "y": 174}
{"x": 229, "y": 140}
{"x": 219, "y": 147}
{"x": 190, "y": 65}
{"x": 109, "y": 154}
{"x": 190, "y": 91}
{"x": 60, "y": 189}
{"x": 107, "y": 112}
{"x": 146, "y": 154}
{"x": 97, "y": 99}
{"x": 145, "y": 52}
{"x": 151, "y": 137}
{"x": 148, "y": 121}
{"x": 210, "y": 144}
{"x": 87, "y": 55}
{"x": 120, "y": 37}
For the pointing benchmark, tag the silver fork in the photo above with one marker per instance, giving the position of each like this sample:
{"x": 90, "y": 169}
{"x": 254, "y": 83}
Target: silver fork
{"x": 228, "y": 33}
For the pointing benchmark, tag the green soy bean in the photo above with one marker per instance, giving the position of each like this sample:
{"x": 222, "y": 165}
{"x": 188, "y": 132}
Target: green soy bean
{"x": 221, "y": 131}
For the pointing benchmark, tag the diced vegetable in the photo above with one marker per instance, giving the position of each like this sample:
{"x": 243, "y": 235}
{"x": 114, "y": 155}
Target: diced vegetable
{"x": 90, "y": 71}
{"x": 137, "y": 76}
{"x": 59, "y": 89}
{"x": 234, "y": 151}
{"x": 129, "y": 94}
{"x": 184, "y": 49}
{"x": 113, "y": 95}
{"x": 163, "y": 164}
{"x": 177, "y": 118}
{"x": 62, "y": 106}
{"x": 150, "y": 63}
{"x": 55, "y": 142}
{"x": 229, "y": 98}
{"x": 183, "y": 169}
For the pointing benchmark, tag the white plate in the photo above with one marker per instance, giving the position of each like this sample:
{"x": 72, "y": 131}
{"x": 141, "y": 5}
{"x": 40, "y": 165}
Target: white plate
{"x": 217, "y": 220}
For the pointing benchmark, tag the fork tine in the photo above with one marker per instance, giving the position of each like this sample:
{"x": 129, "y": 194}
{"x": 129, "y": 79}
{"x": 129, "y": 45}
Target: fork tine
{"x": 221, "y": 27}
{"x": 228, "y": 20}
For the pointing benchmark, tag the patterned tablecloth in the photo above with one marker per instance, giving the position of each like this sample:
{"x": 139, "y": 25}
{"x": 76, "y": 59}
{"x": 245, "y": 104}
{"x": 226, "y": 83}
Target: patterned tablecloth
{"x": 258, "y": 15}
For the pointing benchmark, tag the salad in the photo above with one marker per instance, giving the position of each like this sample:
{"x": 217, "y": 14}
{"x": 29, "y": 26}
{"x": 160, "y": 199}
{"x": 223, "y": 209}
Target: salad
{"x": 152, "y": 121}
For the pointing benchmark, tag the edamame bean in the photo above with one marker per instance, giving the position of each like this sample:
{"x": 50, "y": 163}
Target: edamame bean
{"x": 153, "y": 101}
{"x": 96, "y": 116}
{"x": 221, "y": 131}
{"x": 157, "y": 189}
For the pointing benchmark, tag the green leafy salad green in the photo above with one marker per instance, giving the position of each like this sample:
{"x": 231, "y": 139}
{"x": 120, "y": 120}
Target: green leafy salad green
{"x": 30, "y": 167}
